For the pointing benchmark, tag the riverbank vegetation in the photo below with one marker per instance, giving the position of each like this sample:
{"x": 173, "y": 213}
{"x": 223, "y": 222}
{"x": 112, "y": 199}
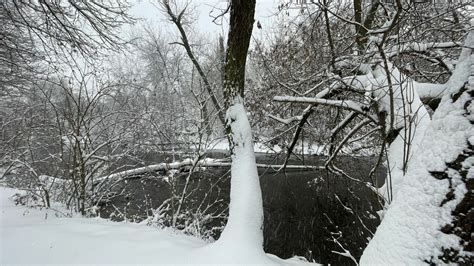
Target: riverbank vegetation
{"x": 360, "y": 113}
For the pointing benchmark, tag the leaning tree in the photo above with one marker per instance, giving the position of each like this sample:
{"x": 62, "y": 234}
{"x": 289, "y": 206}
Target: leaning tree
{"x": 402, "y": 78}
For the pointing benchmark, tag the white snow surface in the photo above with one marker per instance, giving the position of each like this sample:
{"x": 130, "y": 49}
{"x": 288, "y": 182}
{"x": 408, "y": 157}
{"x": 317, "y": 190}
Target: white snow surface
{"x": 34, "y": 236}
{"x": 244, "y": 226}
{"x": 41, "y": 236}
{"x": 410, "y": 231}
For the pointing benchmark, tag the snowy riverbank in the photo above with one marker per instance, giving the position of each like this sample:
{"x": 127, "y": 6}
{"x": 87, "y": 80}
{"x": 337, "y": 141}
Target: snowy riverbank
{"x": 40, "y": 236}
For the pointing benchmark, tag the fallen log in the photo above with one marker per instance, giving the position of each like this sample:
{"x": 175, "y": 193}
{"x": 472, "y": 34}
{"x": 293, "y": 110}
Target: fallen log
{"x": 182, "y": 165}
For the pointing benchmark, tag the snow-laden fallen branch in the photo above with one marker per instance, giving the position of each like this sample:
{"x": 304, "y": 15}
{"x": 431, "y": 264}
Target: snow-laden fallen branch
{"x": 188, "y": 163}
{"x": 146, "y": 169}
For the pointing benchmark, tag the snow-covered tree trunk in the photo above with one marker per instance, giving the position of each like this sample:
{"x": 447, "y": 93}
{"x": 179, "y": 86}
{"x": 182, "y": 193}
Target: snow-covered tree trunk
{"x": 430, "y": 217}
{"x": 243, "y": 234}
{"x": 244, "y": 226}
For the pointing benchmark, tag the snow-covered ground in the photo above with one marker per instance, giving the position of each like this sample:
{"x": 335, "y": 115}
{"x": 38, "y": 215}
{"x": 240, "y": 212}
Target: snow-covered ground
{"x": 34, "y": 236}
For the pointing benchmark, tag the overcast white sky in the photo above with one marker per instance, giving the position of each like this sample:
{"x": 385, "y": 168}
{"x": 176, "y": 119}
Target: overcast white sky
{"x": 146, "y": 10}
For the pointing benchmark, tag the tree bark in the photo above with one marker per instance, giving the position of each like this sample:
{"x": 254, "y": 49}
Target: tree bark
{"x": 244, "y": 229}
{"x": 358, "y": 27}
{"x": 241, "y": 24}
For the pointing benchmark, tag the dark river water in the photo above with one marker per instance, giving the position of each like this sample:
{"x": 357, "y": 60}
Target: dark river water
{"x": 306, "y": 212}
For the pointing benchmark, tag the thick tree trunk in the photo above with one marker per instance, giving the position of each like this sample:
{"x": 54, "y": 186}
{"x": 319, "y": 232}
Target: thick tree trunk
{"x": 358, "y": 28}
{"x": 431, "y": 215}
{"x": 245, "y": 223}
{"x": 240, "y": 31}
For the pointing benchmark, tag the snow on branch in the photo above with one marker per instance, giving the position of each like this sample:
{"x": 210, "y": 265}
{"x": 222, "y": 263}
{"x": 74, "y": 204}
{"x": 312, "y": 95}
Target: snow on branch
{"x": 349, "y": 105}
{"x": 346, "y": 138}
{"x": 429, "y": 90}
{"x": 286, "y": 121}
{"x": 343, "y": 123}
{"x": 346, "y": 253}
{"x": 304, "y": 118}
{"x": 419, "y": 47}
{"x": 344, "y": 104}
{"x": 92, "y": 154}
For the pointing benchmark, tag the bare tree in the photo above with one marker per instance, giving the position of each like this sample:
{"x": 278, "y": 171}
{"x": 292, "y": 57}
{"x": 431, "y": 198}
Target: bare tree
{"x": 37, "y": 36}
{"x": 177, "y": 18}
{"x": 391, "y": 96}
